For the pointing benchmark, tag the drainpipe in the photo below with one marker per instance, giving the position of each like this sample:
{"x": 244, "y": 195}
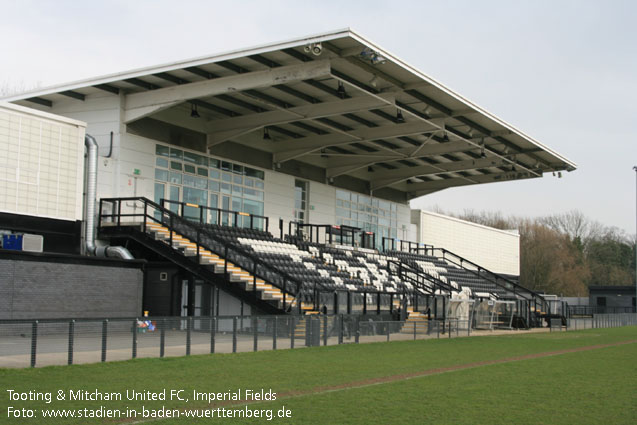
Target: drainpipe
{"x": 89, "y": 218}
{"x": 91, "y": 188}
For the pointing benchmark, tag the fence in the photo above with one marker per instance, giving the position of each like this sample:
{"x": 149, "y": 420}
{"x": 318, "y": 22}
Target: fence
{"x": 602, "y": 321}
{"x": 58, "y": 342}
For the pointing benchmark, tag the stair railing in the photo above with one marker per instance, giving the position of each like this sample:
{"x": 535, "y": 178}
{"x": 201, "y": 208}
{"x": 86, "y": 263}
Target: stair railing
{"x": 203, "y": 238}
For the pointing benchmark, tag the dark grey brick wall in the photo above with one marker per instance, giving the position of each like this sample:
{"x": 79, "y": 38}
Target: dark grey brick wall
{"x": 47, "y": 290}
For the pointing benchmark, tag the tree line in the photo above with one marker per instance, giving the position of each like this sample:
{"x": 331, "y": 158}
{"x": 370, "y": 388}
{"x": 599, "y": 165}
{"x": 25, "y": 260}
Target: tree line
{"x": 564, "y": 254}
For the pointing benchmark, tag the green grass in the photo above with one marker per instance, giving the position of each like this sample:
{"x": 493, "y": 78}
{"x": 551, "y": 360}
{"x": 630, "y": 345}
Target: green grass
{"x": 596, "y": 386}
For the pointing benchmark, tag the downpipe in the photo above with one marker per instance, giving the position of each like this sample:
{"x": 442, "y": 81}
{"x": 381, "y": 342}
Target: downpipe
{"x": 89, "y": 217}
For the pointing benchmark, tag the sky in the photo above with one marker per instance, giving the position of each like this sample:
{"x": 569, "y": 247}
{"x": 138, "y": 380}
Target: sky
{"x": 563, "y": 72}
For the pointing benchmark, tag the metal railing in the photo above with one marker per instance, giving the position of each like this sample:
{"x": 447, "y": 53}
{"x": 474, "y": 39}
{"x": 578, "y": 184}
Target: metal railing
{"x": 139, "y": 208}
{"x": 214, "y": 215}
{"x": 31, "y": 343}
{"x": 602, "y": 321}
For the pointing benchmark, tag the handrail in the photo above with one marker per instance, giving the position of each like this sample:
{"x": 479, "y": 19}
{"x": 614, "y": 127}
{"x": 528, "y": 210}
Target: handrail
{"x": 409, "y": 244}
{"x": 301, "y": 289}
{"x": 219, "y": 212}
{"x": 437, "y": 282}
{"x": 494, "y": 276}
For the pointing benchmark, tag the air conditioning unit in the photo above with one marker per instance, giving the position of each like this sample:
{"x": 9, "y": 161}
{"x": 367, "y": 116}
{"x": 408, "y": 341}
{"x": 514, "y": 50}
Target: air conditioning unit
{"x": 32, "y": 243}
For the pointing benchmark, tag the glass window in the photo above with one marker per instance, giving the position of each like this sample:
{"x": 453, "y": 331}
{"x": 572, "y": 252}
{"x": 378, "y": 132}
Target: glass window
{"x": 175, "y": 178}
{"x": 341, "y": 194}
{"x": 248, "y": 182}
{"x": 237, "y": 169}
{"x": 252, "y": 194}
{"x": 342, "y": 212}
{"x": 258, "y": 184}
{"x": 174, "y": 196}
{"x": 174, "y": 165}
{"x": 197, "y": 197}
{"x": 383, "y": 204}
{"x": 214, "y": 174}
{"x": 201, "y": 183}
{"x": 162, "y": 150}
{"x": 200, "y": 160}
{"x": 252, "y": 207}
{"x": 236, "y": 204}
{"x": 225, "y": 188}
{"x": 237, "y": 190}
{"x": 161, "y": 175}
{"x": 190, "y": 157}
{"x": 159, "y": 191}
{"x": 161, "y": 162}
{"x": 176, "y": 153}
{"x": 365, "y": 200}
{"x": 214, "y": 163}
{"x": 346, "y": 204}
{"x": 339, "y": 202}
{"x": 213, "y": 185}
{"x": 226, "y": 166}
{"x": 226, "y": 177}
{"x": 202, "y": 171}
{"x": 251, "y": 172}
{"x": 238, "y": 180}
{"x": 189, "y": 168}
{"x": 189, "y": 181}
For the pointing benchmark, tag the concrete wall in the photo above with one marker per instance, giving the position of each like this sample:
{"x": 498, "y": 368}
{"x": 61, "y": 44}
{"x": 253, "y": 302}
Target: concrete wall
{"x": 493, "y": 249}
{"x": 58, "y": 287}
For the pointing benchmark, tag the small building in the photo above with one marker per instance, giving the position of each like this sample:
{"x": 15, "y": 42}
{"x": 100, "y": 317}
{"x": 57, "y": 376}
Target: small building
{"x": 612, "y": 299}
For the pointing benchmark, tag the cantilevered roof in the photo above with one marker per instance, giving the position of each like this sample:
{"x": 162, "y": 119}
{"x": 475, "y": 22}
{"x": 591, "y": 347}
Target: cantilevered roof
{"x": 335, "y": 103}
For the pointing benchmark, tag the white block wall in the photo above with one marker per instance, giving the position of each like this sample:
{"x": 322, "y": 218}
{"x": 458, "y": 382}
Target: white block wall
{"x": 41, "y": 163}
{"x": 495, "y": 250}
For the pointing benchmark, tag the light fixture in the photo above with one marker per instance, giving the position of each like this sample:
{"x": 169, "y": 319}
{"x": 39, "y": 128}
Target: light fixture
{"x": 193, "y": 111}
{"x": 445, "y": 138}
{"x": 341, "y": 90}
{"x": 323, "y": 154}
{"x": 559, "y": 174}
{"x": 266, "y": 134}
{"x": 482, "y": 154}
{"x": 553, "y": 173}
{"x": 399, "y": 116}
{"x": 410, "y": 181}
{"x": 370, "y": 169}
{"x": 374, "y": 81}
{"x": 512, "y": 167}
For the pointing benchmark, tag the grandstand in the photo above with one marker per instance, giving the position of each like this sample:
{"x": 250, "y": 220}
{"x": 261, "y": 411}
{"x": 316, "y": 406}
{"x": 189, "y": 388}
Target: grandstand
{"x": 277, "y": 180}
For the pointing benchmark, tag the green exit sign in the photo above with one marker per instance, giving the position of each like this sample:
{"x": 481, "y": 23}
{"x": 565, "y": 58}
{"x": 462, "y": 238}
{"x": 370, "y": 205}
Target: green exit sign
{"x": 137, "y": 171}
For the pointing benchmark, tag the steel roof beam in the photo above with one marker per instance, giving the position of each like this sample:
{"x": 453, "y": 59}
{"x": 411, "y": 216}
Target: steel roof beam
{"x": 139, "y": 105}
{"x": 286, "y": 151}
{"x": 108, "y": 88}
{"x": 424, "y": 118}
{"x": 388, "y": 178}
{"x": 416, "y": 190}
{"x": 225, "y": 129}
{"x": 343, "y": 166}
{"x": 40, "y": 101}
{"x": 74, "y": 95}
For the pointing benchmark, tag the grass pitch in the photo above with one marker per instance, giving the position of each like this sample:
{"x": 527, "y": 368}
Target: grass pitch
{"x": 490, "y": 380}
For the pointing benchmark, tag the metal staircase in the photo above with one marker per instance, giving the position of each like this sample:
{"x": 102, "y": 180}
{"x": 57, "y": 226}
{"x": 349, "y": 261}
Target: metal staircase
{"x": 201, "y": 253}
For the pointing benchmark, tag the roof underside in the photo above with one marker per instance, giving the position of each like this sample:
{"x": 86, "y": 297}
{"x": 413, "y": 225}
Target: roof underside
{"x": 352, "y": 112}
